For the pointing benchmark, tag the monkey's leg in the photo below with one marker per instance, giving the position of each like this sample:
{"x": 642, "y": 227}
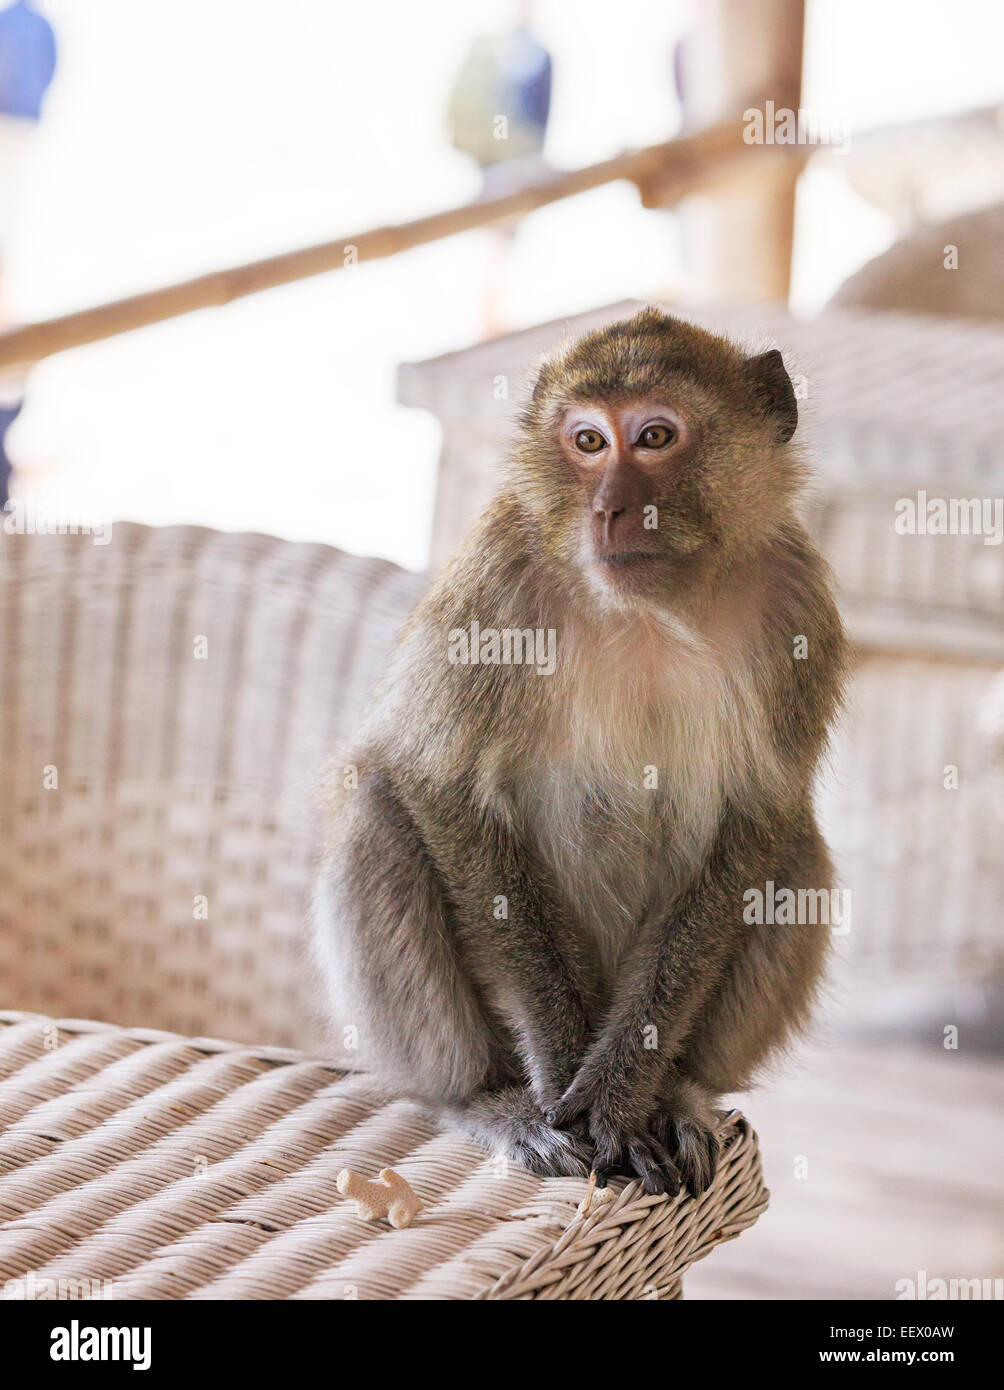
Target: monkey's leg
{"x": 387, "y": 941}
{"x": 765, "y": 996}
{"x": 523, "y": 946}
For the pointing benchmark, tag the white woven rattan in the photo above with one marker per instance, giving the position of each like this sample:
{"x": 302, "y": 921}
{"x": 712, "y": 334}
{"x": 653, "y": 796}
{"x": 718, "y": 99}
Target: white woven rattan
{"x": 138, "y": 1164}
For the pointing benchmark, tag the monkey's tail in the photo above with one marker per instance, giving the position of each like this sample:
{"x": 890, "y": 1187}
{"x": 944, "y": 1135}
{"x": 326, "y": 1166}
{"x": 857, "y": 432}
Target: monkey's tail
{"x": 509, "y": 1122}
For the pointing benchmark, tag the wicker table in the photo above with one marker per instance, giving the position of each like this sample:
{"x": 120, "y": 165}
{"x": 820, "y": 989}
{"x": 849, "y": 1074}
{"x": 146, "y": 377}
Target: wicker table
{"x": 140, "y": 1164}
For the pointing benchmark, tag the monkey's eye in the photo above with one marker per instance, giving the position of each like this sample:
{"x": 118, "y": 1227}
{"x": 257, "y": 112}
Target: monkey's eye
{"x": 656, "y": 436}
{"x": 590, "y": 441}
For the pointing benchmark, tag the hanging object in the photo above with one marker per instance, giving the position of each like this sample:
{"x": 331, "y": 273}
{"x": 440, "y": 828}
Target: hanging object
{"x": 27, "y": 63}
{"x": 500, "y": 103}
{"x": 27, "y": 60}
{"x": 8, "y": 414}
{"x": 498, "y": 113}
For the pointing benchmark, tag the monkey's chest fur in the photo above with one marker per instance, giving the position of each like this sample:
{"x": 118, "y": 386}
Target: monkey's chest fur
{"x": 608, "y": 852}
{"x": 650, "y": 738}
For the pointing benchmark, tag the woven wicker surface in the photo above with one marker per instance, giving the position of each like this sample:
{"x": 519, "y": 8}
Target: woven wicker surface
{"x": 183, "y": 687}
{"x": 139, "y": 1164}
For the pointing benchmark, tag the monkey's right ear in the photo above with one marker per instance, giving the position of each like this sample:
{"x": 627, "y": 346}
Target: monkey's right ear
{"x": 774, "y": 392}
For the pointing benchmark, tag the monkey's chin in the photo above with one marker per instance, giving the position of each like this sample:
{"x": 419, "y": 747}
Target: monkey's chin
{"x": 627, "y": 576}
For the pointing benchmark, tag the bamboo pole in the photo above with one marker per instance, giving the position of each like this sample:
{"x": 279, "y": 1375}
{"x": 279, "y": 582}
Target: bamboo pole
{"x": 742, "y": 53}
{"x": 677, "y": 167}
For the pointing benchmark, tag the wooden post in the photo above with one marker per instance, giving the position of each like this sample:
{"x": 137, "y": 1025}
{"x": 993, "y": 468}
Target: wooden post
{"x": 744, "y": 54}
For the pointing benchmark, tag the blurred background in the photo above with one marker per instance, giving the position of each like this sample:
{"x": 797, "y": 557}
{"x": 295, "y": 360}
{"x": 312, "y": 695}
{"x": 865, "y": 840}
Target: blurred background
{"x": 179, "y": 136}
{"x": 364, "y": 409}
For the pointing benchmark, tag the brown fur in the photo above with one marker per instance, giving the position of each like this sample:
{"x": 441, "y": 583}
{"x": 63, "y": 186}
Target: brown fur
{"x": 482, "y": 782}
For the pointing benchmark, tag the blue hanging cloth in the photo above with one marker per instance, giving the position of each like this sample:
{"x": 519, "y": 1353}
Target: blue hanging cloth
{"x": 27, "y": 60}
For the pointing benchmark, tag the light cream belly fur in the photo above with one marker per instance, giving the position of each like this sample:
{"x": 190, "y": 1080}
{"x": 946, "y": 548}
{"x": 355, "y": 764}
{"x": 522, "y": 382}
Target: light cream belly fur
{"x": 658, "y": 726}
{"x": 607, "y": 852}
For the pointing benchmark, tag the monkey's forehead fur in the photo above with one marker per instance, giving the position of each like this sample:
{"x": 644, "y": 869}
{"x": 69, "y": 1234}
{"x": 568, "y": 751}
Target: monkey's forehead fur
{"x": 640, "y": 356}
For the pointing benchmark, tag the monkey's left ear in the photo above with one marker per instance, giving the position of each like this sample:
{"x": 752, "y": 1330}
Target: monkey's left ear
{"x": 774, "y": 392}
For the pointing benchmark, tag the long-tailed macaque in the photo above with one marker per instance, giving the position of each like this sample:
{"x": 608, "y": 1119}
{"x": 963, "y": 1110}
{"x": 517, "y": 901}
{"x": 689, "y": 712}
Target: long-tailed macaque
{"x": 594, "y": 745}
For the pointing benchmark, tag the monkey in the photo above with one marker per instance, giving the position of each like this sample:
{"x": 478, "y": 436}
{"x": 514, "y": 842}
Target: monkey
{"x": 533, "y": 898}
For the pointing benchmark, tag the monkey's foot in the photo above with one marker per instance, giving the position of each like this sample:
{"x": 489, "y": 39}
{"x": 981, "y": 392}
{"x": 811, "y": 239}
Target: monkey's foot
{"x": 692, "y": 1145}
{"x": 510, "y": 1122}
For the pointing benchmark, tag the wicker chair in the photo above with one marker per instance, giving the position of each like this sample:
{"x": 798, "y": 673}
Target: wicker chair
{"x": 166, "y": 701}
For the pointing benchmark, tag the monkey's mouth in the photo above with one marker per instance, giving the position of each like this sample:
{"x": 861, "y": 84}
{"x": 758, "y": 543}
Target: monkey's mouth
{"x": 623, "y": 559}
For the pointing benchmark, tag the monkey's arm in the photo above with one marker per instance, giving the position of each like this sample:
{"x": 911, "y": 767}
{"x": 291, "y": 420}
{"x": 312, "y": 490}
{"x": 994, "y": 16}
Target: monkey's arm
{"x": 678, "y": 961}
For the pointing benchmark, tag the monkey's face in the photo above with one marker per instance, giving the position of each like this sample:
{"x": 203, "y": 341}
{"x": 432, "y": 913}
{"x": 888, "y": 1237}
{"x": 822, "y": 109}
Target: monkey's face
{"x": 652, "y": 454}
{"x": 622, "y": 460}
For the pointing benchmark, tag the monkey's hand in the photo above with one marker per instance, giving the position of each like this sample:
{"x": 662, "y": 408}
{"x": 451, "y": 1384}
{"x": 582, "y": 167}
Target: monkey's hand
{"x": 616, "y": 1124}
{"x": 668, "y": 1144}
{"x": 690, "y": 1138}
{"x": 628, "y": 1148}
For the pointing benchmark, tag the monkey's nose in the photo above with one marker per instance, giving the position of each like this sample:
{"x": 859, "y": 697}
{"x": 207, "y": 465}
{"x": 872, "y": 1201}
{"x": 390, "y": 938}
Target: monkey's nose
{"x": 608, "y": 515}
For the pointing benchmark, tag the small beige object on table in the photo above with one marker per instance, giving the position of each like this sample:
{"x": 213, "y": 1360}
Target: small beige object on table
{"x": 390, "y": 1196}
{"x": 139, "y": 1164}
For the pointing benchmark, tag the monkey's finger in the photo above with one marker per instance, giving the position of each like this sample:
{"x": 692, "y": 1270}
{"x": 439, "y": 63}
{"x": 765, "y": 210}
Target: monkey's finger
{"x": 714, "y": 1150}
{"x": 606, "y": 1164}
{"x": 580, "y": 1127}
{"x": 670, "y": 1171}
{"x": 646, "y": 1165}
{"x": 696, "y": 1153}
{"x": 659, "y": 1158}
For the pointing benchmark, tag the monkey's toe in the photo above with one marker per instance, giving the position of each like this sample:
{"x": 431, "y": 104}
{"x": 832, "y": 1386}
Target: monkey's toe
{"x": 510, "y": 1122}
{"x": 547, "y": 1151}
{"x": 552, "y": 1153}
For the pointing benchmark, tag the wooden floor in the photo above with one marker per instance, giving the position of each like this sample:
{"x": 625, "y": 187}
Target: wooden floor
{"x": 903, "y": 1149}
